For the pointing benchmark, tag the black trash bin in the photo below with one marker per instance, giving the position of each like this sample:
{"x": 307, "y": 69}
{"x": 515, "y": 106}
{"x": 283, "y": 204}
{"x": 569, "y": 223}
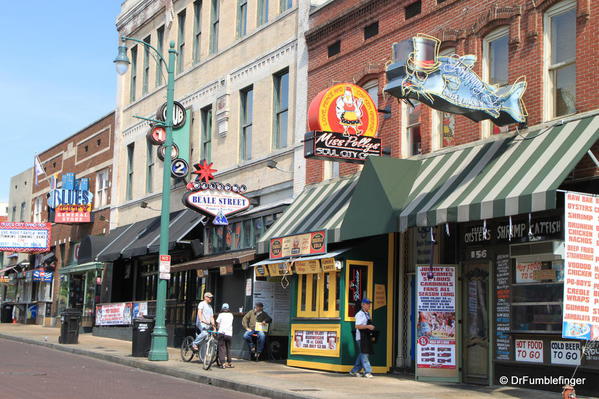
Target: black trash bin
{"x": 69, "y": 328}
{"x": 6, "y": 314}
{"x": 141, "y": 339}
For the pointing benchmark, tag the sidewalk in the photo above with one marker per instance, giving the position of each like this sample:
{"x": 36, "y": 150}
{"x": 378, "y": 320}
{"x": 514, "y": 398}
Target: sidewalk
{"x": 267, "y": 379}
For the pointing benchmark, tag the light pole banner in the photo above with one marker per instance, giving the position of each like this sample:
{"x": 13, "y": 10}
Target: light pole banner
{"x": 581, "y": 285}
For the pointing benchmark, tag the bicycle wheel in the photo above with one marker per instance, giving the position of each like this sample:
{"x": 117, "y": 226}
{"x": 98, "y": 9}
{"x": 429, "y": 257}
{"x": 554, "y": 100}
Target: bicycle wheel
{"x": 210, "y": 355}
{"x": 186, "y": 350}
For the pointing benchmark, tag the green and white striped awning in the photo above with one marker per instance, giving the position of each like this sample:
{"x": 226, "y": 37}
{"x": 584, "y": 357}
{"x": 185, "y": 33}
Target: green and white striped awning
{"x": 503, "y": 177}
{"x": 320, "y": 206}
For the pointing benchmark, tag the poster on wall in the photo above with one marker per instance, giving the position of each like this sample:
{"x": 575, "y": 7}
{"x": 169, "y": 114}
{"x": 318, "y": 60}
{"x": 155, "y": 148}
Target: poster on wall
{"x": 276, "y": 303}
{"x": 436, "y": 342}
{"x": 315, "y": 339}
{"x": 581, "y": 298}
{"x": 529, "y": 350}
{"x": 25, "y": 237}
{"x": 114, "y": 314}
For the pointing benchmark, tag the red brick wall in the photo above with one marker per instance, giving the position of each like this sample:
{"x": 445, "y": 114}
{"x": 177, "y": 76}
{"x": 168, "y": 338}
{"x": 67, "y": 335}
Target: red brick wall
{"x": 458, "y": 23}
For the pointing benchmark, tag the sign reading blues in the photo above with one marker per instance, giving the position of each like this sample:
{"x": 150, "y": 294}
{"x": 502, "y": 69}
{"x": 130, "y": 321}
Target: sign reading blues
{"x": 72, "y": 202}
{"x": 448, "y": 84}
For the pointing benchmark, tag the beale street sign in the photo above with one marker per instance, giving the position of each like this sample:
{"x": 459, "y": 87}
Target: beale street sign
{"x": 332, "y": 145}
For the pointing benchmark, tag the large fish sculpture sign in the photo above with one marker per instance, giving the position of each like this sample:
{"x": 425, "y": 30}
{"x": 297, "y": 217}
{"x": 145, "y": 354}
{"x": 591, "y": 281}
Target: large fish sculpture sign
{"x": 448, "y": 84}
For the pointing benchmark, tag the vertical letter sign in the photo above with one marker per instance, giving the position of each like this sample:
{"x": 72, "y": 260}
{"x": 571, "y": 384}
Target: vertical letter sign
{"x": 436, "y": 342}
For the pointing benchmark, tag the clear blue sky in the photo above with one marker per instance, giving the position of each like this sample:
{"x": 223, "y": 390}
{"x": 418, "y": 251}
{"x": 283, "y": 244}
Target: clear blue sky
{"x": 56, "y": 75}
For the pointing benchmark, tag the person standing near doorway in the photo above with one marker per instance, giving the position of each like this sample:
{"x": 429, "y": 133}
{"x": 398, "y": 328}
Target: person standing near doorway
{"x": 364, "y": 327}
{"x": 224, "y": 321}
{"x": 204, "y": 319}
{"x": 256, "y": 322}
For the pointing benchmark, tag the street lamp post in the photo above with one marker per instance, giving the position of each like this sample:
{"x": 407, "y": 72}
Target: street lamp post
{"x": 159, "y": 350}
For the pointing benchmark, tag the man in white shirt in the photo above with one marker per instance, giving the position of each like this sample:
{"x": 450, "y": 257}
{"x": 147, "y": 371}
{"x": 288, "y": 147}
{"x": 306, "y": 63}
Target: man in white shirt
{"x": 204, "y": 319}
{"x": 364, "y": 345}
{"x": 225, "y": 326}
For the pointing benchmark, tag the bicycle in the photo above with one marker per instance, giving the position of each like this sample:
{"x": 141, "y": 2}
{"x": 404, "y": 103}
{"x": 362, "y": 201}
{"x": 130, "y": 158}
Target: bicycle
{"x": 207, "y": 350}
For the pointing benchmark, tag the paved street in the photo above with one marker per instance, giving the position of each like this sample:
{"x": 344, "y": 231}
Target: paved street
{"x": 31, "y": 372}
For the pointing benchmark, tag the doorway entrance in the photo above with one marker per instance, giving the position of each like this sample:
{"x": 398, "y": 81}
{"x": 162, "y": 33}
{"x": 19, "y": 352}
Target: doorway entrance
{"x": 476, "y": 323}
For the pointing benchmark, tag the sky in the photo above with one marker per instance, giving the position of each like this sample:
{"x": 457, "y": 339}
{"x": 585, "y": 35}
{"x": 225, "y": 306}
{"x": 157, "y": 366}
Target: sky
{"x": 56, "y": 75}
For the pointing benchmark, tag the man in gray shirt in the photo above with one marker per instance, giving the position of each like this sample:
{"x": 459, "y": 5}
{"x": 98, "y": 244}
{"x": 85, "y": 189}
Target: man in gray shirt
{"x": 204, "y": 319}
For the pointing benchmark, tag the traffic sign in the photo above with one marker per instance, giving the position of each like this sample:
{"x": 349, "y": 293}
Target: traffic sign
{"x": 156, "y": 135}
{"x": 179, "y": 168}
{"x": 174, "y": 152}
{"x": 179, "y": 114}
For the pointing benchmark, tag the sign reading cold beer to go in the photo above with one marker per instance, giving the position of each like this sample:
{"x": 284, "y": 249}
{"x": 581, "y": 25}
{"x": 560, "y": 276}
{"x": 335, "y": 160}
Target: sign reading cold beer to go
{"x": 298, "y": 245}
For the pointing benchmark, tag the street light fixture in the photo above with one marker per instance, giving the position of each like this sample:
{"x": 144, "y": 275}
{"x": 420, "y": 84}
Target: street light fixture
{"x": 158, "y": 350}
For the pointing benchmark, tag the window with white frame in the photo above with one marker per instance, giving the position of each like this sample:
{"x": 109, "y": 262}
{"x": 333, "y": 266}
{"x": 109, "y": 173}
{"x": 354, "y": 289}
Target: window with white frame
{"x": 372, "y": 87}
{"x": 495, "y": 68}
{"x": 560, "y": 59}
{"x": 37, "y": 210}
{"x": 330, "y": 170}
{"x": 101, "y": 199}
{"x": 247, "y": 115}
{"x": 149, "y": 167}
{"x": 411, "y": 122}
{"x": 443, "y": 123}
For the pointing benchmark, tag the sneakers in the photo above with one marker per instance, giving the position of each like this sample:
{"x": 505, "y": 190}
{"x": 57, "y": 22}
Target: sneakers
{"x": 354, "y": 374}
{"x": 367, "y": 375}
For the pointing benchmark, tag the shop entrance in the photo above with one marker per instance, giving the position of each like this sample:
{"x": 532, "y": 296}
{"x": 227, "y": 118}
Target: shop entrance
{"x": 476, "y": 323}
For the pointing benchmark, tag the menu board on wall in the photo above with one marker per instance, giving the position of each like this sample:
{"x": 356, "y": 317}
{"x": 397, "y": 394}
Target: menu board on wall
{"x": 581, "y": 282}
{"x": 276, "y": 303}
{"x": 436, "y": 327}
{"x": 503, "y": 340}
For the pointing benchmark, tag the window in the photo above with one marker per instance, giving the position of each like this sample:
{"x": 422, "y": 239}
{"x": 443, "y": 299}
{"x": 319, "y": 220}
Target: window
{"x": 318, "y": 295}
{"x": 281, "y": 108}
{"x": 358, "y": 283}
{"x": 22, "y": 217}
{"x": 330, "y": 170}
{"x": 101, "y": 189}
{"x": 242, "y": 17}
{"x": 262, "y": 12}
{"x": 411, "y": 141}
{"x": 443, "y": 123}
{"x": 560, "y": 59}
{"x": 149, "y": 167}
{"x": 160, "y": 48}
{"x": 247, "y": 110}
{"x": 181, "y": 41}
{"x": 372, "y": 87}
{"x": 334, "y": 48}
{"x": 130, "y": 150}
{"x": 413, "y": 9}
{"x": 197, "y": 30}
{"x": 371, "y": 30}
{"x": 285, "y": 5}
{"x": 207, "y": 133}
{"x": 495, "y": 68}
{"x": 37, "y": 210}
{"x": 146, "y": 73}
{"x": 14, "y": 214}
{"x": 214, "y": 17}
{"x": 133, "y": 83}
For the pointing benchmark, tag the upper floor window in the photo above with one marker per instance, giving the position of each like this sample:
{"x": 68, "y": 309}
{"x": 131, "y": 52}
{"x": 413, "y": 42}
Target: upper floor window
{"x": 247, "y": 111}
{"x": 281, "y": 108}
{"x": 214, "y": 20}
{"x": 146, "y": 72}
{"x": 101, "y": 199}
{"x": 181, "y": 42}
{"x": 197, "y": 30}
{"x": 242, "y": 17}
{"x": 262, "y": 12}
{"x": 160, "y": 48}
{"x": 413, "y": 9}
{"x": 334, "y": 48}
{"x": 130, "y": 153}
{"x": 22, "y": 217}
{"x": 207, "y": 133}
{"x": 372, "y": 87}
{"x": 411, "y": 138}
{"x": 149, "y": 167}
{"x": 133, "y": 83}
{"x": 371, "y": 30}
{"x": 560, "y": 59}
{"x": 14, "y": 214}
{"x": 495, "y": 68}
{"x": 285, "y": 5}
{"x": 37, "y": 210}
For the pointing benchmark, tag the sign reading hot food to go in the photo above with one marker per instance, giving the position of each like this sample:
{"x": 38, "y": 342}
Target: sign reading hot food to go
{"x": 72, "y": 203}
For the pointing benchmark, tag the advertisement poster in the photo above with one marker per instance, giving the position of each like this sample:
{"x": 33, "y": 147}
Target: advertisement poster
{"x": 114, "y": 314}
{"x": 581, "y": 282}
{"x": 565, "y": 352}
{"x": 436, "y": 328}
{"x": 72, "y": 202}
{"x": 315, "y": 339}
{"x": 529, "y": 350}
{"x": 25, "y": 237}
{"x": 140, "y": 309}
{"x": 298, "y": 245}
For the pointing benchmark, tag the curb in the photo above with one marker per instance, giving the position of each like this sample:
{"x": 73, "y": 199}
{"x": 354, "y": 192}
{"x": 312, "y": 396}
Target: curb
{"x": 155, "y": 368}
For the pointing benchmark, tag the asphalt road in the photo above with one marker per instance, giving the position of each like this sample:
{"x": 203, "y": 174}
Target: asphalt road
{"x": 32, "y": 372}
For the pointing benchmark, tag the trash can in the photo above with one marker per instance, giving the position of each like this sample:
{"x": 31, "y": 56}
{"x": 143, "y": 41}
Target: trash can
{"x": 69, "y": 328}
{"x": 6, "y": 316}
{"x": 141, "y": 340}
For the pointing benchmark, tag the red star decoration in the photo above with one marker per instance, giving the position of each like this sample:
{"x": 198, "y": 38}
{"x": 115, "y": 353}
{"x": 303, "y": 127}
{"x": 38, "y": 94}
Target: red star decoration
{"x": 204, "y": 171}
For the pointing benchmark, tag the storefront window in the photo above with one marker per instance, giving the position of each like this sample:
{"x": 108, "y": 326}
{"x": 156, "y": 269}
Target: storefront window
{"x": 358, "y": 283}
{"x": 258, "y": 230}
{"x": 318, "y": 295}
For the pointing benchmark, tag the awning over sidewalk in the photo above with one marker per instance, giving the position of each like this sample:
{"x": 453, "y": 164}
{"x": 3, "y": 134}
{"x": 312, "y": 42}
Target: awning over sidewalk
{"x": 180, "y": 227}
{"x": 84, "y": 267}
{"x": 209, "y": 262}
{"x": 503, "y": 177}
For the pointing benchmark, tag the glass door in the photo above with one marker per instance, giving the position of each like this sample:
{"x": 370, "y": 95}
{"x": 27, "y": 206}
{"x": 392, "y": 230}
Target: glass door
{"x": 476, "y": 323}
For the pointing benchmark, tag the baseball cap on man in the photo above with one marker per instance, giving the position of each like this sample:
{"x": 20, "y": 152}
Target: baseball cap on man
{"x": 225, "y": 306}
{"x": 366, "y": 300}
{"x": 208, "y": 294}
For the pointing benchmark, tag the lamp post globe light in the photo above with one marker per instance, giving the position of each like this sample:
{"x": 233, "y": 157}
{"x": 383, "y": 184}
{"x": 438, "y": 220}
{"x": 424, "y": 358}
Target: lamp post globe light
{"x": 158, "y": 350}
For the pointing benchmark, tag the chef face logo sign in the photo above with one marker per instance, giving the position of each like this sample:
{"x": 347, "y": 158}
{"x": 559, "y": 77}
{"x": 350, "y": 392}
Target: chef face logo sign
{"x": 344, "y": 108}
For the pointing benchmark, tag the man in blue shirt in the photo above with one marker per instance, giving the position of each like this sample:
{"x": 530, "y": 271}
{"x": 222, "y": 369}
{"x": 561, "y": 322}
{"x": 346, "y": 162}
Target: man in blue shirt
{"x": 363, "y": 328}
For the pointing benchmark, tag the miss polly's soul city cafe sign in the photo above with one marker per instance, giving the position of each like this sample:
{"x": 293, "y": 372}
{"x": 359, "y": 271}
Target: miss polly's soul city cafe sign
{"x": 343, "y": 120}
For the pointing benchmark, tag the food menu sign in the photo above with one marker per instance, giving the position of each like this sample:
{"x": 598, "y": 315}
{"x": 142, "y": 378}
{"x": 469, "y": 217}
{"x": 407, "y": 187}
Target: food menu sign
{"x": 436, "y": 329}
{"x": 25, "y": 237}
{"x": 581, "y": 282}
{"x": 313, "y": 243}
{"x": 503, "y": 313}
{"x": 315, "y": 339}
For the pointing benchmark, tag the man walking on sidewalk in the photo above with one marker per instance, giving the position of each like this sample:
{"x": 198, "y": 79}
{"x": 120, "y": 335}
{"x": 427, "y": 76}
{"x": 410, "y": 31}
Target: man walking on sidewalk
{"x": 256, "y": 322}
{"x": 364, "y": 327}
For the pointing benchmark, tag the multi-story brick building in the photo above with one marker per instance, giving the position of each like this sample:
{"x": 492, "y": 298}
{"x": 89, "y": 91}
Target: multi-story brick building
{"x": 458, "y": 192}
{"x": 89, "y": 155}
